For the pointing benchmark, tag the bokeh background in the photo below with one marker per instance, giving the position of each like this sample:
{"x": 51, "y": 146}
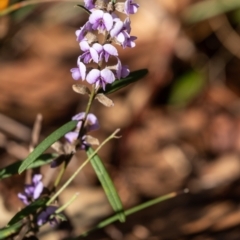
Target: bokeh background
{"x": 180, "y": 125}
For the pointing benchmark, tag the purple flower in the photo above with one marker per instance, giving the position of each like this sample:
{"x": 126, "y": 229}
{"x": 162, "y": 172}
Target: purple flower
{"x": 101, "y": 21}
{"x": 122, "y": 71}
{"x": 100, "y": 77}
{"x": 83, "y": 31}
{"x": 79, "y": 72}
{"x": 89, "y": 4}
{"x": 107, "y": 50}
{"x": 91, "y": 121}
{"x": 130, "y": 7}
{"x": 32, "y": 191}
{"x": 45, "y": 216}
{"x": 91, "y": 125}
{"x": 121, "y": 33}
{"x": 90, "y": 53}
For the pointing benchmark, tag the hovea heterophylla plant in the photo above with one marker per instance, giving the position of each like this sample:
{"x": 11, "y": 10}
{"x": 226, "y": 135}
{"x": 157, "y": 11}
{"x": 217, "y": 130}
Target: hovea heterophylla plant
{"x": 97, "y": 40}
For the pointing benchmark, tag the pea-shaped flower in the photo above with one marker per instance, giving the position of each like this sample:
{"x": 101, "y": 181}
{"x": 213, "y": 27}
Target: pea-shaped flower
{"x": 101, "y": 21}
{"x": 32, "y": 191}
{"x": 100, "y": 77}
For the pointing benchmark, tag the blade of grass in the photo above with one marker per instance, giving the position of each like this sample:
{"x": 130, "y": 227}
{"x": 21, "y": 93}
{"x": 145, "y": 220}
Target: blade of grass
{"x": 107, "y": 184}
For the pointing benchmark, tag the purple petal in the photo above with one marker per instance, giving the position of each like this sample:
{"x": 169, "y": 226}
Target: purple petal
{"x": 108, "y": 21}
{"x": 84, "y": 45}
{"x": 89, "y": 4}
{"x": 95, "y": 16}
{"x": 92, "y": 122}
{"x": 71, "y": 136}
{"x": 125, "y": 72}
{"x": 130, "y": 42}
{"x": 38, "y": 190}
{"x": 83, "y": 30}
{"x": 107, "y": 75}
{"x": 82, "y": 69}
{"x": 23, "y": 198}
{"x": 127, "y": 25}
{"x": 29, "y": 189}
{"x": 94, "y": 55}
{"x": 93, "y": 76}
{"x": 37, "y": 178}
{"x": 109, "y": 48}
{"x": 44, "y": 216}
{"x": 79, "y": 116}
{"x": 130, "y": 7}
{"x": 121, "y": 37}
{"x": 75, "y": 73}
{"x": 98, "y": 47}
{"x": 116, "y": 29}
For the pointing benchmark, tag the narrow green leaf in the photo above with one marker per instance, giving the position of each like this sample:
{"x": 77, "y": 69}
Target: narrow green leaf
{"x": 118, "y": 84}
{"x": 46, "y": 143}
{"x": 107, "y": 185}
{"x": 30, "y": 209}
{"x": 12, "y": 169}
{"x": 8, "y": 231}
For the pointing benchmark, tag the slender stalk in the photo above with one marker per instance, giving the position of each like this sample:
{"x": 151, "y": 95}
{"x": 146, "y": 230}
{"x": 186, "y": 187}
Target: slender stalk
{"x": 113, "y": 135}
{"x": 19, "y": 5}
{"x": 67, "y": 203}
{"x": 89, "y": 104}
{"x": 61, "y": 172}
{"x": 65, "y": 164}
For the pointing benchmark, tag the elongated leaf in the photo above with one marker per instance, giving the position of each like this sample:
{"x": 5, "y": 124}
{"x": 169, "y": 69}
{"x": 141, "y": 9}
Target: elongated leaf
{"x": 12, "y": 169}
{"x": 46, "y": 143}
{"x": 118, "y": 84}
{"x": 30, "y": 209}
{"x": 107, "y": 184}
{"x": 8, "y": 231}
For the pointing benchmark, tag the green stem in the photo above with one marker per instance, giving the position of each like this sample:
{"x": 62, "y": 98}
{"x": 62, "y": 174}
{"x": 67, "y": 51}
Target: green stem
{"x": 60, "y": 174}
{"x": 89, "y": 104}
{"x": 113, "y": 135}
{"x": 65, "y": 164}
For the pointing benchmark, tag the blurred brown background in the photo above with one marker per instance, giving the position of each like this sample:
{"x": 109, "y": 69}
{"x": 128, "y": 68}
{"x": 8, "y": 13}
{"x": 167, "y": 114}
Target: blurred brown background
{"x": 180, "y": 125}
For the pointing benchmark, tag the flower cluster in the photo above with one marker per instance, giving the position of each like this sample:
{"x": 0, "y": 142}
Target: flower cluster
{"x": 32, "y": 192}
{"x": 104, "y": 21}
